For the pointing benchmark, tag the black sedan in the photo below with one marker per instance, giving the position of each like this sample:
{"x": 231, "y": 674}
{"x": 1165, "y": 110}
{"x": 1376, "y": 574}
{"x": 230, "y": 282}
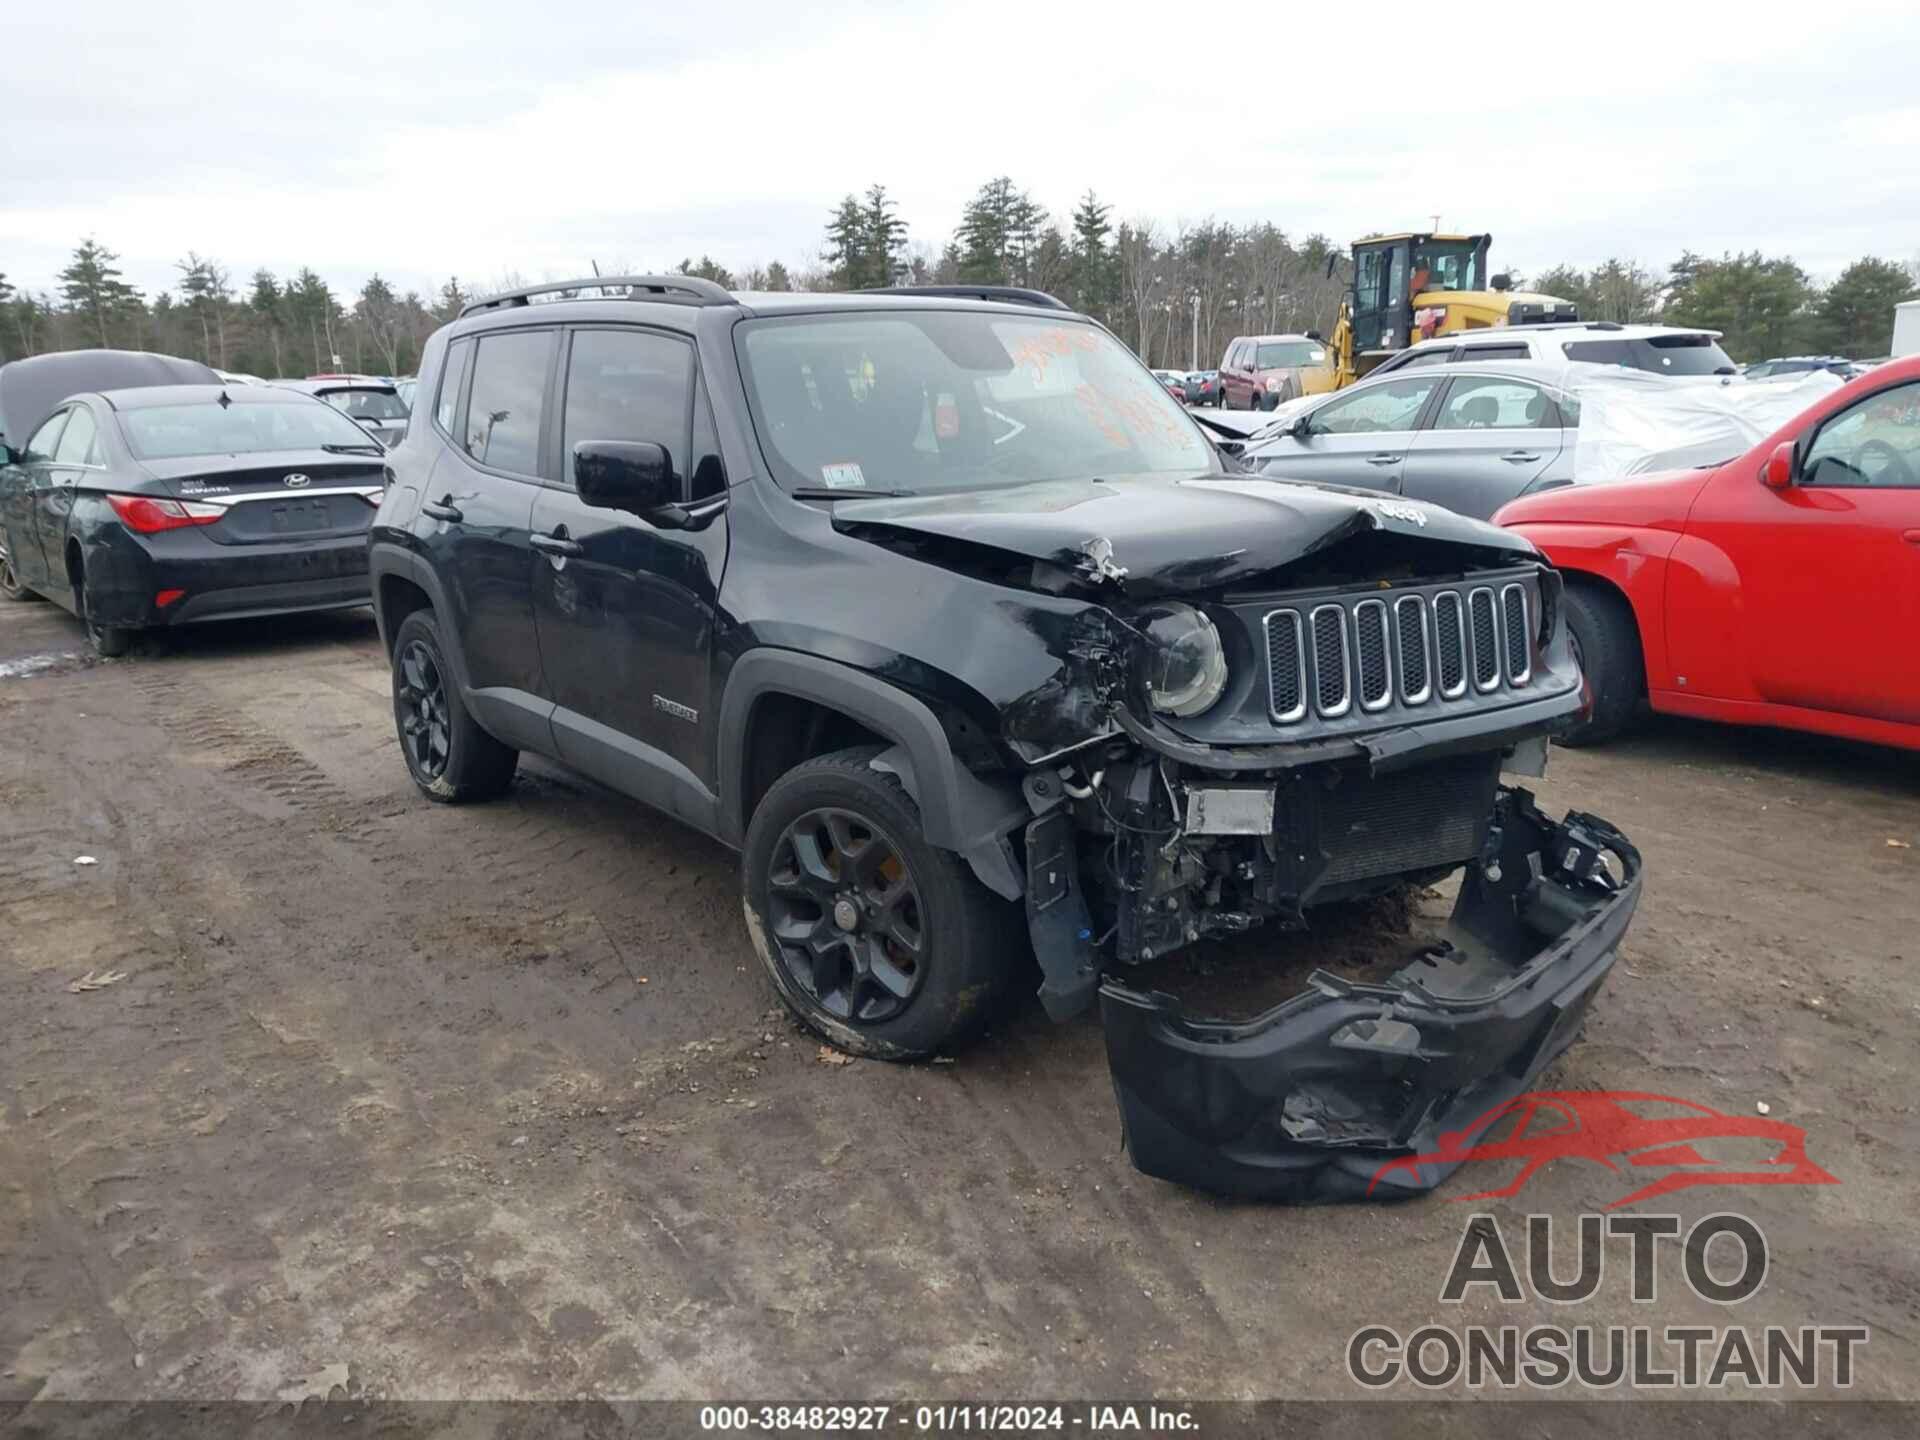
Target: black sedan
{"x": 374, "y": 405}
{"x": 171, "y": 504}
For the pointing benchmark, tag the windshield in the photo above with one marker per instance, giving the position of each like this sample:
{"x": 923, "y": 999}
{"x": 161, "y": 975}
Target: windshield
{"x": 1448, "y": 267}
{"x": 946, "y": 400}
{"x": 170, "y": 432}
{"x": 366, "y": 404}
{"x": 1289, "y": 354}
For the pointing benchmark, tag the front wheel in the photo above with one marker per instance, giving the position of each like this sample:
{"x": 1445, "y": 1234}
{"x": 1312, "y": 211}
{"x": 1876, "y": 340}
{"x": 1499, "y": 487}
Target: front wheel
{"x": 874, "y": 938}
{"x": 448, "y": 755}
{"x": 1606, "y": 642}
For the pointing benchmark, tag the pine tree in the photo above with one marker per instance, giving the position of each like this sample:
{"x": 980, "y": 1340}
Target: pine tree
{"x": 884, "y": 238}
{"x": 846, "y": 244}
{"x": 1093, "y": 279}
{"x": 204, "y": 289}
{"x": 777, "y": 277}
{"x": 92, "y": 287}
{"x": 453, "y": 298}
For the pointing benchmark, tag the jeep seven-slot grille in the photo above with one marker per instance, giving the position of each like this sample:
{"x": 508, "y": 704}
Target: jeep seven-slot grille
{"x": 1323, "y": 657}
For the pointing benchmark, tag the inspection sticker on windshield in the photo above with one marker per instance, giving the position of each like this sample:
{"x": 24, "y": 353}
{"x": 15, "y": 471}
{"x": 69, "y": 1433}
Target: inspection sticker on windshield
{"x": 845, "y": 475}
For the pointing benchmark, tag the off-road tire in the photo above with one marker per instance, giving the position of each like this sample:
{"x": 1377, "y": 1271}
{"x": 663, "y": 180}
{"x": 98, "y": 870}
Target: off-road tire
{"x": 475, "y": 765}
{"x": 1608, "y": 644}
{"x": 975, "y": 941}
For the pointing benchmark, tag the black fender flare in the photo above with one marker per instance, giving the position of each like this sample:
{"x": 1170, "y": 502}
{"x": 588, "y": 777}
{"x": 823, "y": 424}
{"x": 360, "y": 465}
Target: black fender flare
{"x": 384, "y": 557}
{"x": 959, "y": 811}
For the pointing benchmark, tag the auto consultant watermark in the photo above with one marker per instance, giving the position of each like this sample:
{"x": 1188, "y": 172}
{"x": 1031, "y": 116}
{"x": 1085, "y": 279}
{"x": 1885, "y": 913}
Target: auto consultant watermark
{"x": 1657, "y": 1144}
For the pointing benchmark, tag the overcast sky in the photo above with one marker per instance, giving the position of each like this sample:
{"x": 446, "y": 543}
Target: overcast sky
{"x": 535, "y": 138}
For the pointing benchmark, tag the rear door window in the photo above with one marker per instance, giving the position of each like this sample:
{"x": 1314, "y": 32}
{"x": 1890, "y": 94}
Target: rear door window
{"x": 508, "y": 400}
{"x": 1492, "y": 402}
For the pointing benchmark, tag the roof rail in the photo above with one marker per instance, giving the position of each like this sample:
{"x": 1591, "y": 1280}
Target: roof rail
{"x": 637, "y": 287}
{"x": 1005, "y": 294}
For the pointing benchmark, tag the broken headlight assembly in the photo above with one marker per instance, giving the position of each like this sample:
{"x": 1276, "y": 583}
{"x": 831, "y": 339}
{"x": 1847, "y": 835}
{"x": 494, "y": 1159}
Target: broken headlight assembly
{"x": 1183, "y": 664}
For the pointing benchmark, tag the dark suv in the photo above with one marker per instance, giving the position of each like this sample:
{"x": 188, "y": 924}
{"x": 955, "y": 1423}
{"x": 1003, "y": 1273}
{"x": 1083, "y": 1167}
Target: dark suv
{"x": 939, "y": 609}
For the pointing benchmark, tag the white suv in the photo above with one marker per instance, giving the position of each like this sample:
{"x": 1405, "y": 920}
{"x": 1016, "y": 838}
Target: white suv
{"x": 1659, "y": 349}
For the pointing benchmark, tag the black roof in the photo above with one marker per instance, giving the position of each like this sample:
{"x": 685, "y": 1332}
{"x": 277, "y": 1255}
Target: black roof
{"x": 32, "y": 389}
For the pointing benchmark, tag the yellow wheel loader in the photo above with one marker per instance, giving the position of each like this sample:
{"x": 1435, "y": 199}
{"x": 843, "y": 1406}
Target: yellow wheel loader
{"x": 1412, "y": 287}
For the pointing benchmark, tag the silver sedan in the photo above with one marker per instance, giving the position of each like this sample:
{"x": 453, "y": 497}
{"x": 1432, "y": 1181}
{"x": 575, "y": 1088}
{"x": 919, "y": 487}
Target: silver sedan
{"x": 1470, "y": 437}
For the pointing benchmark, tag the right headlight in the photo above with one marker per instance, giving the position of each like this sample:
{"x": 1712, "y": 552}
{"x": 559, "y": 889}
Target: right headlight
{"x": 1186, "y": 667}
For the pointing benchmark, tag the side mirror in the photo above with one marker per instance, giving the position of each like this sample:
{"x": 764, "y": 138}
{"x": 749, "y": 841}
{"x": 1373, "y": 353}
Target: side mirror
{"x": 1777, "y": 473}
{"x": 1301, "y": 428}
{"x": 1502, "y": 281}
{"x": 631, "y": 475}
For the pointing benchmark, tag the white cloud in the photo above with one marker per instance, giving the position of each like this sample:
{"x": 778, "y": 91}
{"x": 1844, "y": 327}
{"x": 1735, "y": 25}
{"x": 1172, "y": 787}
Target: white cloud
{"x": 426, "y": 144}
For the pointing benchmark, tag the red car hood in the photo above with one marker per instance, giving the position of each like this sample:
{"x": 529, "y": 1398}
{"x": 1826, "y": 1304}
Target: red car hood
{"x": 1645, "y": 500}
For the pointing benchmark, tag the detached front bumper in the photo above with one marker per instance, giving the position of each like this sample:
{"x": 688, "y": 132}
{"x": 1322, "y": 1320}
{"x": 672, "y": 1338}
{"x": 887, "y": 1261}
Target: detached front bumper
{"x": 1317, "y": 1099}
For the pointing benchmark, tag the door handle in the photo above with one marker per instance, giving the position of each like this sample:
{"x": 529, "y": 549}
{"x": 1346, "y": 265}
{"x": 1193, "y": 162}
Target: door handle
{"x": 556, "y": 543}
{"x": 1520, "y": 457}
{"x": 1383, "y": 459}
{"x": 443, "y": 509}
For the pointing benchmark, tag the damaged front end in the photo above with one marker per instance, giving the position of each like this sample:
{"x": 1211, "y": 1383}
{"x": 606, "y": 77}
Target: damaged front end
{"x": 1317, "y": 1099}
{"x": 1268, "y": 700}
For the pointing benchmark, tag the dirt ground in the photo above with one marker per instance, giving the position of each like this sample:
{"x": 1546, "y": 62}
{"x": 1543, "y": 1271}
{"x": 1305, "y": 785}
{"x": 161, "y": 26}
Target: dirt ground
{"x": 496, "y": 1101}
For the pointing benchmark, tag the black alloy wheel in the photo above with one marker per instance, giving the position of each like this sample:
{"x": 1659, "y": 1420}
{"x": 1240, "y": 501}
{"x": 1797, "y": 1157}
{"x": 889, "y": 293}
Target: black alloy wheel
{"x": 844, "y": 910}
{"x": 421, "y": 700}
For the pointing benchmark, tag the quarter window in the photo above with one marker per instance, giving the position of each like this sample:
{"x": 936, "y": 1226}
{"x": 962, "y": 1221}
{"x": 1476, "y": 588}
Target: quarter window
{"x": 1493, "y": 403}
{"x": 509, "y": 393}
{"x": 1395, "y": 405}
{"x": 77, "y": 440}
{"x": 1875, "y": 441}
{"x": 628, "y": 385}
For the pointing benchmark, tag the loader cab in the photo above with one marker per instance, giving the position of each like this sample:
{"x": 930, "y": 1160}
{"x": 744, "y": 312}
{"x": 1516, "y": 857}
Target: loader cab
{"x": 1389, "y": 271}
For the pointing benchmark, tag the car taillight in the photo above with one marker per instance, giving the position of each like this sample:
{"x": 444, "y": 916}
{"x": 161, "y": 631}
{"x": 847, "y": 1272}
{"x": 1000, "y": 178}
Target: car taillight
{"x": 147, "y": 515}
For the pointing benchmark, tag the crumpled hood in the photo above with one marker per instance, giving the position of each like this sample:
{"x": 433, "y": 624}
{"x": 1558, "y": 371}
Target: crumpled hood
{"x": 1157, "y": 536}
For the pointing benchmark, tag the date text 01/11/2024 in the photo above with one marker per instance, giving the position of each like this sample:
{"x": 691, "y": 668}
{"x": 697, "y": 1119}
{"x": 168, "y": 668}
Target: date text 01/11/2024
{"x": 1095, "y": 1419}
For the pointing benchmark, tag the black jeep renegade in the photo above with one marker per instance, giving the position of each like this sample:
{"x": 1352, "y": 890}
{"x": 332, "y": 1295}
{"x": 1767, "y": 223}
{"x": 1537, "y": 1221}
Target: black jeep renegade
{"x": 942, "y": 612}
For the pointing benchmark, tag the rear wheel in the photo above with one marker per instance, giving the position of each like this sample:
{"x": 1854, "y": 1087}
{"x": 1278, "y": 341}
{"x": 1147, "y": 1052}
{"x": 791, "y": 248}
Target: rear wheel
{"x": 10, "y": 584}
{"x": 450, "y": 757}
{"x": 1606, "y": 642}
{"x": 109, "y": 641}
{"x": 874, "y": 938}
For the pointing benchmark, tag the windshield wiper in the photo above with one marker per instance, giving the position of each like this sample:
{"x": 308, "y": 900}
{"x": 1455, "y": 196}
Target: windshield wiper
{"x": 821, "y": 492}
{"x": 371, "y": 448}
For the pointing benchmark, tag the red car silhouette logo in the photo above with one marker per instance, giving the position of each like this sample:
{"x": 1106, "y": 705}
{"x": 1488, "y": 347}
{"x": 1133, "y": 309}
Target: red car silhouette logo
{"x": 1627, "y": 1131}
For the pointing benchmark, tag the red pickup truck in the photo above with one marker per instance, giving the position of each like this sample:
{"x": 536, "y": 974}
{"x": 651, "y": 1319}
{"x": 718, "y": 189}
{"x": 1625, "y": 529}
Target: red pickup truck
{"x": 1779, "y": 588}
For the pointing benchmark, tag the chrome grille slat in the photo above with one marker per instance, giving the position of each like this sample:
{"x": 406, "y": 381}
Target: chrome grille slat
{"x": 1519, "y": 643}
{"x": 1286, "y": 667}
{"x": 1370, "y": 650}
{"x": 1332, "y": 672}
{"x": 1483, "y": 622}
{"x": 1450, "y": 640}
{"x": 1410, "y": 633}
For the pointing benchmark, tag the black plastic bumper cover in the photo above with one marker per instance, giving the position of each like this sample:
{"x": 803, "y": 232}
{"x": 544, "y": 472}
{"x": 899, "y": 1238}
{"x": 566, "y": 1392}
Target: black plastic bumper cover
{"x": 1312, "y": 1101}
